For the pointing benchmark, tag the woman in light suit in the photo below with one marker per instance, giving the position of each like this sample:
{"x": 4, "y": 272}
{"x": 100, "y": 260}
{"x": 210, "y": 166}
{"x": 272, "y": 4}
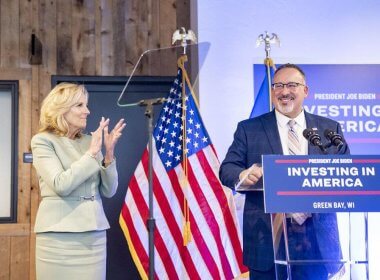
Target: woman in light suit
{"x": 73, "y": 174}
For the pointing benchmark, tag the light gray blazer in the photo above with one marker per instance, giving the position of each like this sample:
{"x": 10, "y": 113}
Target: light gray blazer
{"x": 71, "y": 182}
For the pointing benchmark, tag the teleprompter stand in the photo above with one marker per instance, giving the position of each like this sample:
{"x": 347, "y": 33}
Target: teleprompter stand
{"x": 130, "y": 97}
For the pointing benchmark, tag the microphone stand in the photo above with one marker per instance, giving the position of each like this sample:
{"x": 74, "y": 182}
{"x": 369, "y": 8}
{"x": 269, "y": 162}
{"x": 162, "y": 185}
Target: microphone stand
{"x": 338, "y": 147}
{"x": 151, "y": 223}
{"x": 323, "y": 149}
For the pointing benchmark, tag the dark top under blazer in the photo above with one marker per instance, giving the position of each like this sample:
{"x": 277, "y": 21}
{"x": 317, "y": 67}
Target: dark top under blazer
{"x": 253, "y": 138}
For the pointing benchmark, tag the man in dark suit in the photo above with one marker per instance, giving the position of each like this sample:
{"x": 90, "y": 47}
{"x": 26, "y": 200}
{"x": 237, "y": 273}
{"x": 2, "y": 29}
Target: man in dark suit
{"x": 268, "y": 134}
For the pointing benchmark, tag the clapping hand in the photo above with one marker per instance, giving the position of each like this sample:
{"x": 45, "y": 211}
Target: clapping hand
{"x": 97, "y": 138}
{"x": 110, "y": 139}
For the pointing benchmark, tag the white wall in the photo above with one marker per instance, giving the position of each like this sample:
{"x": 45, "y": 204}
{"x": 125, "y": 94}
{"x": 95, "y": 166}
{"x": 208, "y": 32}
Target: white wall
{"x": 311, "y": 32}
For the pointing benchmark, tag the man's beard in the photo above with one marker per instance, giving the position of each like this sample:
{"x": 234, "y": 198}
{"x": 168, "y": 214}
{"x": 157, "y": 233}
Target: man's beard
{"x": 286, "y": 109}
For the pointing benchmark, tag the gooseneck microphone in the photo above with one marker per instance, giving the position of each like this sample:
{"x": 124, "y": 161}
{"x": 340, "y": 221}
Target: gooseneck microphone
{"x": 333, "y": 137}
{"x": 313, "y": 137}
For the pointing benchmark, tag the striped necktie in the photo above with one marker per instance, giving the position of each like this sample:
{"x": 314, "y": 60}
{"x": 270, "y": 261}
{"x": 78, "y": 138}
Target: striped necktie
{"x": 294, "y": 147}
{"x": 293, "y": 140}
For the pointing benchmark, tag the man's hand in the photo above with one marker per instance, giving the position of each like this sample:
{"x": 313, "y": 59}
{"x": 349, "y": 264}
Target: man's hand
{"x": 251, "y": 175}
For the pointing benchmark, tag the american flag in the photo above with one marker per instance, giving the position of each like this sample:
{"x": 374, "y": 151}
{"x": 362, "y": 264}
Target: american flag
{"x": 186, "y": 188}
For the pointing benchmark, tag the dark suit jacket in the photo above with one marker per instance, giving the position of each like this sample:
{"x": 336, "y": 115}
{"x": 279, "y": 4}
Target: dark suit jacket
{"x": 253, "y": 138}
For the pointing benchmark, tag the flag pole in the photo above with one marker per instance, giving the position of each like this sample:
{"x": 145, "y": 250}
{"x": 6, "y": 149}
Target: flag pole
{"x": 268, "y": 40}
{"x": 268, "y": 64}
{"x": 277, "y": 219}
{"x": 183, "y": 36}
{"x": 185, "y": 183}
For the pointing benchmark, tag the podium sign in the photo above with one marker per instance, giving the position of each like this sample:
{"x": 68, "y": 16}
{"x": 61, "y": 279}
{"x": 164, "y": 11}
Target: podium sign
{"x": 321, "y": 183}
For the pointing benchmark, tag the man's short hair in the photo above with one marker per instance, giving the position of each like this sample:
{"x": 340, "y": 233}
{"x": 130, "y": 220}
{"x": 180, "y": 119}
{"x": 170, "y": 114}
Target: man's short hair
{"x": 289, "y": 65}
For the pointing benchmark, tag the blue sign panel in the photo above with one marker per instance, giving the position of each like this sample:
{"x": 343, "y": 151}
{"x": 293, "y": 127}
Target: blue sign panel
{"x": 349, "y": 94}
{"x": 321, "y": 183}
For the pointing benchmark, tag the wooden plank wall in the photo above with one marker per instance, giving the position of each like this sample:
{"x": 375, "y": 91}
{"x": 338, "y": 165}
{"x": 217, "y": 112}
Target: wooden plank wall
{"x": 79, "y": 37}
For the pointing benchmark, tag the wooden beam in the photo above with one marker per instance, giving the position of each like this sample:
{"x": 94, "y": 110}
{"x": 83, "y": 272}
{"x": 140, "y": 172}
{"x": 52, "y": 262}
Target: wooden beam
{"x": 14, "y": 229}
{"x": 16, "y": 73}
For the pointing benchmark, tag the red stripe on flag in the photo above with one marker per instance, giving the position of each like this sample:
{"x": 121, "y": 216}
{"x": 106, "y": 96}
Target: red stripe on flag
{"x": 144, "y": 213}
{"x": 210, "y": 218}
{"x": 170, "y": 220}
{"x": 228, "y": 219}
{"x": 135, "y": 238}
{"x": 196, "y": 233}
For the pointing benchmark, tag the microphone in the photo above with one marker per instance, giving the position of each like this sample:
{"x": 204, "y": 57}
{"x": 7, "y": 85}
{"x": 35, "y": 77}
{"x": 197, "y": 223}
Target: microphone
{"x": 313, "y": 137}
{"x": 334, "y": 137}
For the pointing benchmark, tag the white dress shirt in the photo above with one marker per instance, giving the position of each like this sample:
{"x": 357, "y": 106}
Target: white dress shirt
{"x": 283, "y": 128}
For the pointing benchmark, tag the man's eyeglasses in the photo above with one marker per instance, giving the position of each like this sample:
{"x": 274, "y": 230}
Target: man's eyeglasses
{"x": 290, "y": 86}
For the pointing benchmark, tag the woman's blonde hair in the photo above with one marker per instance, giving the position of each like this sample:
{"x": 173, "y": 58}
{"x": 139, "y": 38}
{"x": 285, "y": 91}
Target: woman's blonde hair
{"x": 56, "y": 104}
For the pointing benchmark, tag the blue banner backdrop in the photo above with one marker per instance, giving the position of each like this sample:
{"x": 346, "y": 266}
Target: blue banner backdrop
{"x": 349, "y": 94}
